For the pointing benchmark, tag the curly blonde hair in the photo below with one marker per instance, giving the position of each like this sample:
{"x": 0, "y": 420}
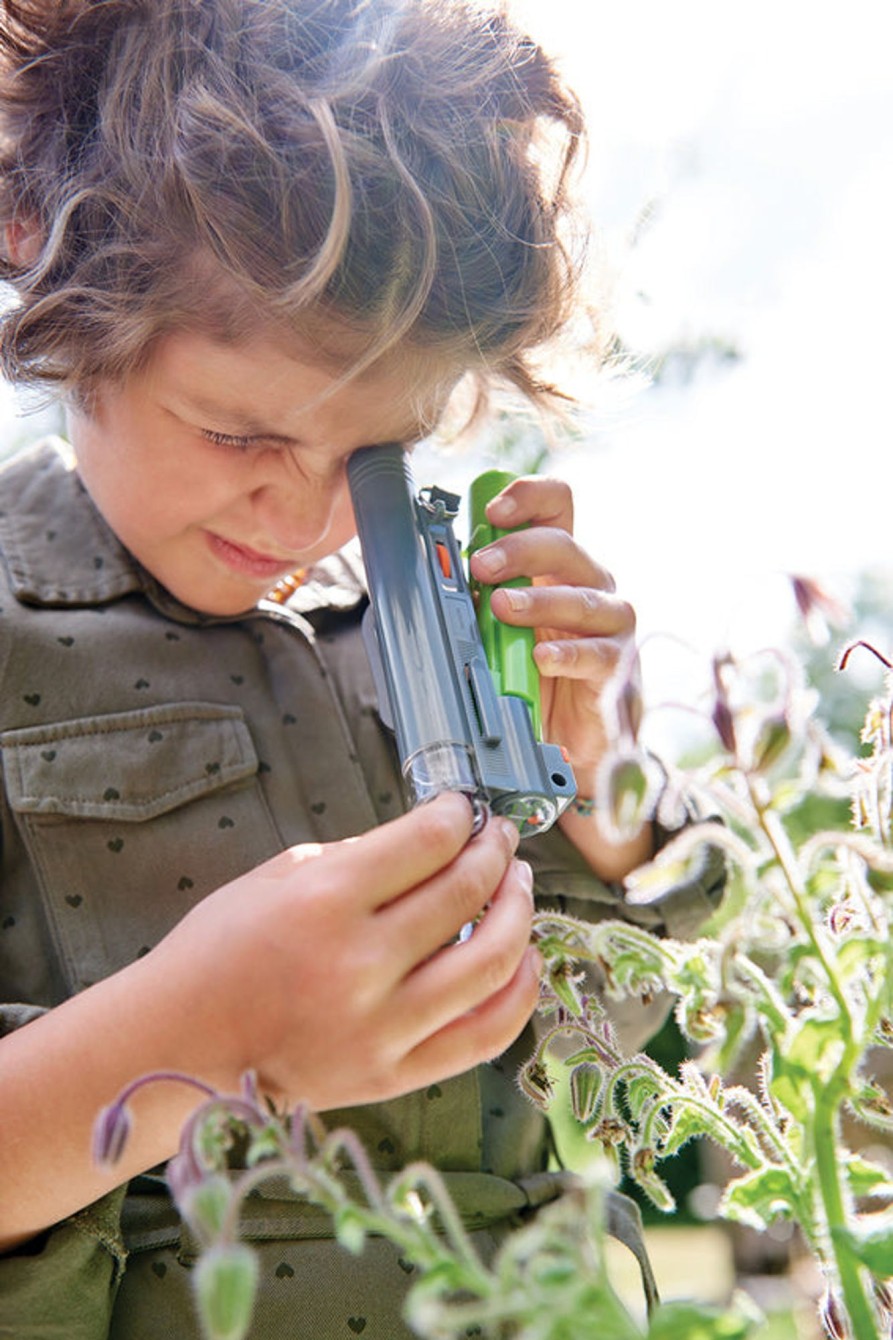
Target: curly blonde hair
{"x": 398, "y": 166}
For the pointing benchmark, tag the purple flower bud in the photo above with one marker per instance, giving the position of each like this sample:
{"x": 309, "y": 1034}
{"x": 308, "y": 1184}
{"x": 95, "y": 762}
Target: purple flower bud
{"x": 883, "y": 1295}
{"x": 111, "y": 1131}
{"x": 183, "y": 1173}
{"x": 840, "y": 918}
{"x": 724, "y": 724}
{"x": 249, "y": 1090}
{"x": 832, "y": 1317}
{"x": 818, "y": 608}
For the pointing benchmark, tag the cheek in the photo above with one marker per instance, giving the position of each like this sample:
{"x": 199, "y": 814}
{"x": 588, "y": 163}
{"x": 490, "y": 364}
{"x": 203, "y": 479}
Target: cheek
{"x": 345, "y": 521}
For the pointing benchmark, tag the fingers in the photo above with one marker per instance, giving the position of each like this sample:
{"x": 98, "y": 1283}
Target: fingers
{"x": 462, "y": 978}
{"x": 535, "y": 500}
{"x": 579, "y": 610}
{"x": 483, "y": 1033}
{"x": 540, "y": 552}
{"x": 383, "y": 864}
{"x": 432, "y": 915}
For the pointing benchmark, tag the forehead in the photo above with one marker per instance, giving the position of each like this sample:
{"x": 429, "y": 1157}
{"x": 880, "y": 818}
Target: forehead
{"x": 291, "y": 383}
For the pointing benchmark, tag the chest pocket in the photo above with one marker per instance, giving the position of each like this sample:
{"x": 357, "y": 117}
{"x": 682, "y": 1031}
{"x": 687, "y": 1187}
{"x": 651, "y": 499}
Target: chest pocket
{"x": 129, "y": 819}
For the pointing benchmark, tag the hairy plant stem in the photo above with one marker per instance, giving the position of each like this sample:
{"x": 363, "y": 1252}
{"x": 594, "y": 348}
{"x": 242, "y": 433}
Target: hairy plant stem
{"x": 782, "y": 850}
{"x": 828, "y": 1094}
{"x": 849, "y": 1271}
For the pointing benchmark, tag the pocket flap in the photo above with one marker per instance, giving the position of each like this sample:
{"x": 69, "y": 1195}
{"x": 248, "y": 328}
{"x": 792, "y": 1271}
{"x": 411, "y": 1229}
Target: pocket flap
{"x": 127, "y": 765}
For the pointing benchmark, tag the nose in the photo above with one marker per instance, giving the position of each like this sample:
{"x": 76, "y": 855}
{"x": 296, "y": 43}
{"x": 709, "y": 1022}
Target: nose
{"x": 295, "y": 514}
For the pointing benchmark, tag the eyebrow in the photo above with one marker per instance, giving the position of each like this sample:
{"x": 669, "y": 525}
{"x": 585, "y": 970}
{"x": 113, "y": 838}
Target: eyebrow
{"x": 241, "y": 423}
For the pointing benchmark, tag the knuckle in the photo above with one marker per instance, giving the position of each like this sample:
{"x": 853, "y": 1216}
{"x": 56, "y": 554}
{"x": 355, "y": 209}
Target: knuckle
{"x": 470, "y": 886}
{"x": 590, "y": 599}
{"x": 627, "y": 615}
{"x": 438, "y": 827}
{"x": 499, "y": 967}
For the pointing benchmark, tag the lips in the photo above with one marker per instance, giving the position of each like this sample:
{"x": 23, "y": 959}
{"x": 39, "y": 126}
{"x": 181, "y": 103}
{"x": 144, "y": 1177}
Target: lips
{"x": 246, "y": 561}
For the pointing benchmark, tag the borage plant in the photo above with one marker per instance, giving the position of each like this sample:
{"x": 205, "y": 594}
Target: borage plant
{"x": 802, "y": 963}
{"x": 804, "y": 966}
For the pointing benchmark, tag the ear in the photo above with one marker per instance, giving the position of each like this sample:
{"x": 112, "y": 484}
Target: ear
{"x": 23, "y": 241}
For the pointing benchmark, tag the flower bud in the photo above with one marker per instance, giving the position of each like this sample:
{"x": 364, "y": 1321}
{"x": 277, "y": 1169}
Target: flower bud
{"x": 350, "y": 1229}
{"x": 183, "y": 1174}
{"x": 773, "y": 739}
{"x": 534, "y": 1081}
{"x": 724, "y": 724}
{"x": 563, "y": 981}
{"x": 610, "y": 1131}
{"x": 832, "y": 1317}
{"x": 225, "y": 1282}
{"x": 205, "y": 1205}
{"x": 819, "y": 609}
{"x": 111, "y": 1132}
{"x": 585, "y": 1090}
{"x": 841, "y": 918}
{"x": 627, "y": 789}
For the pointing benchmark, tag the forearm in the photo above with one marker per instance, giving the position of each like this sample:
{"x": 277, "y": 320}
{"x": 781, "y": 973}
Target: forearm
{"x": 56, "y": 1074}
{"x": 611, "y": 862}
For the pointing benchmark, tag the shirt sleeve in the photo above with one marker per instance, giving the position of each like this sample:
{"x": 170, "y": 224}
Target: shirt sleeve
{"x": 61, "y": 1285}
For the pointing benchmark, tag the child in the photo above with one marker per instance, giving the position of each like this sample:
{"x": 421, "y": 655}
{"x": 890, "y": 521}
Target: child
{"x": 247, "y": 237}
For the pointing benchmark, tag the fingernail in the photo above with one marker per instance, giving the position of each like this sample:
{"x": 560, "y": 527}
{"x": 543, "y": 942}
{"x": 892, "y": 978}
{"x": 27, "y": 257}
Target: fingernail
{"x": 510, "y": 831}
{"x": 549, "y": 653}
{"x": 518, "y": 598}
{"x": 525, "y": 874}
{"x": 537, "y": 962}
{"x": 491, "y": 560}
{"x": 502, "y": 509}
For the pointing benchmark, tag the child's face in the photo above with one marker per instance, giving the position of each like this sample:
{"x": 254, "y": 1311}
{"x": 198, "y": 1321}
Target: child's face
{"x": 221, "y": 469}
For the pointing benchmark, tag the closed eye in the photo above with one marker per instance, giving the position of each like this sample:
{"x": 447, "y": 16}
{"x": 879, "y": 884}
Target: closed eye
{"x": 229, "y": 439}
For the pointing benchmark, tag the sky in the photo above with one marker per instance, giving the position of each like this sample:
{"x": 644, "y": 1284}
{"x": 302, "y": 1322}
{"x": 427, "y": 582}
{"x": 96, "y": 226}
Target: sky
{"x": 741, "y": 180}
{"x": 741, "y": 176}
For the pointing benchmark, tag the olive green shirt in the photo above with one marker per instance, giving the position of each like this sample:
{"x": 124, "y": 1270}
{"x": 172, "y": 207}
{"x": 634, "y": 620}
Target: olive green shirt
{"x": 149, "y": 755}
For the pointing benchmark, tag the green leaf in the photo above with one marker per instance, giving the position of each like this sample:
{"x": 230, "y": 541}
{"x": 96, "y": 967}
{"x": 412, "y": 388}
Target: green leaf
{"x": 691, "y": 1321}
{"x": 856, "y": 952}
{"x": 814, "y": 1044}
{"x": 791, "y": 1088}
{"x": 873, "y": 1246}
{"x": 810, "y": 1054}
{"x": 639, "y": 1091}
{"x": 688, "y": 1123}
{"x": 738, "y": 1027}
{"x": 350, "y": 1229}
{"x": 866, "y": 1178}
{"x": 759, "y": 1197}
{"x": 206, "y": 1205}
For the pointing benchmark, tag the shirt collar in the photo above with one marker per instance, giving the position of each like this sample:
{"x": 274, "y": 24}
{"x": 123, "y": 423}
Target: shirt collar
{"x": 58, "y": 549}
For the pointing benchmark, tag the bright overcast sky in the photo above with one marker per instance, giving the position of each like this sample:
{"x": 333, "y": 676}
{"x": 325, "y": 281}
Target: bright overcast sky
{"x": 760, "y": 135}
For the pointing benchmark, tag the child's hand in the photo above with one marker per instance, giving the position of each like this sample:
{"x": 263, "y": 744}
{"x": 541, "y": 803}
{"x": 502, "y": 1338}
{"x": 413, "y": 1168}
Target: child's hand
{"x": 581, "y": 626}
{"x": 333, "y": 970}
{"x": 582, "y": 630}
